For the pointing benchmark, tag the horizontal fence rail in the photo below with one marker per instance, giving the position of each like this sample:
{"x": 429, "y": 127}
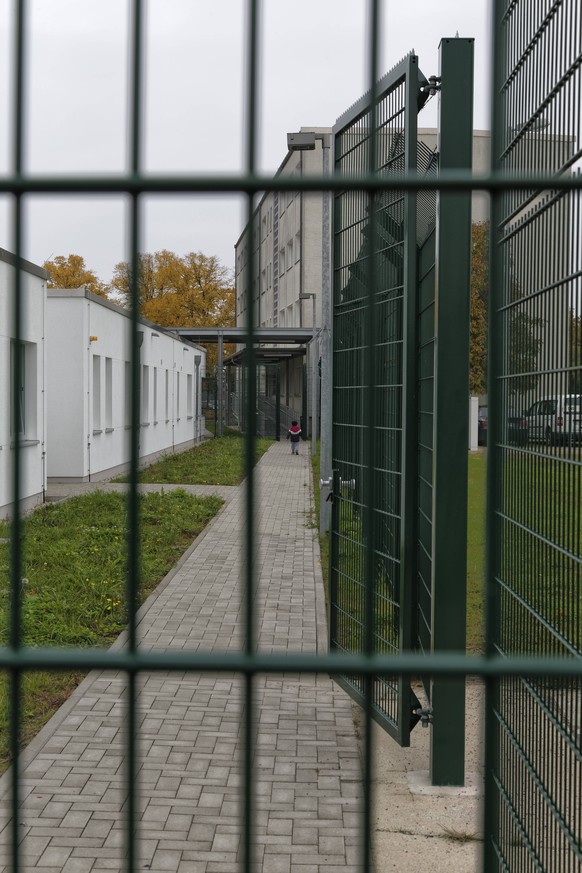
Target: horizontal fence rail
{"x": 532, "y": 665}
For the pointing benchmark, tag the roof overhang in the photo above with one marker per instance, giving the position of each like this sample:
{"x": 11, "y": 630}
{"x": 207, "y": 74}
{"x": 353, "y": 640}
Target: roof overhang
{"x": 266, "y": 355}
{"x": 276, "y": 335}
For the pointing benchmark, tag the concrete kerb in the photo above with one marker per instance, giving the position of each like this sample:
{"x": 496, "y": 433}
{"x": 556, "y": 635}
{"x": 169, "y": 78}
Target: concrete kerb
{"x": 321, "y": 606}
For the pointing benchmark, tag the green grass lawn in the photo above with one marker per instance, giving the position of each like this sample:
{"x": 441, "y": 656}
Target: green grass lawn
{"x": 475, "y": 547}
{"x": 476, "y": 552}
{"x": 75, "y": 557}
{"x": 218, "y": 461}
{"x": 74, "y": 567}
{"x": 323, "y": 540}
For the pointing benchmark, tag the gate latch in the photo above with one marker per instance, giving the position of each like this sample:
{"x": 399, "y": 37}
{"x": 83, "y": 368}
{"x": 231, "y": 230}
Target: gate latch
{"x": 424, "y": 714}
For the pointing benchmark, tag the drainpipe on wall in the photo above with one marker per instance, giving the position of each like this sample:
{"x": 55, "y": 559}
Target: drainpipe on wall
{"x": 43, "y": 417}
{"x": 197, "y": 360}
{"x": 88, "y": 392}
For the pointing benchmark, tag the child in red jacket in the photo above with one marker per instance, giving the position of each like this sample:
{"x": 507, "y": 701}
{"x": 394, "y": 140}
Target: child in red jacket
{"x": 294, "y": 434}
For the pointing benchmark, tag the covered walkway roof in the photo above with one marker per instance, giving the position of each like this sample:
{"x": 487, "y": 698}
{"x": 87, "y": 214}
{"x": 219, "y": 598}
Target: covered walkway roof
{"x": 278, "y": 335}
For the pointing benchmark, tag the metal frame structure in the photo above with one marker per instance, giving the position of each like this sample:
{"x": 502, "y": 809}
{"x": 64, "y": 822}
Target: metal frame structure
{"x": 401, "y": 349}
{"x": 533, "y": 751}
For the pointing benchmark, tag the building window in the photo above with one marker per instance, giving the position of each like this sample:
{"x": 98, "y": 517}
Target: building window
{"x": 290, "y": 255}
{"x": 145, "y": 394}
{"x": 108, "y": 393}
{"x": 23, "y": 418}
{"x": 96, "y": 393}
{"x": 297, "y": 247}
{"x": 155, "y": 395}
{"x": 127, "y": 394}
{"x": 167, "y": 394}
{"x": 281, "y": 262}
{"x": 189, "y": 395}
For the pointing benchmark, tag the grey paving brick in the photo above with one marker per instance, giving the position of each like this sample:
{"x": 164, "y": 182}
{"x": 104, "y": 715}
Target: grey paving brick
{"x": 55, "y": 857}
{"x": 189, "y": 757}
{"x": 79, "y": 865}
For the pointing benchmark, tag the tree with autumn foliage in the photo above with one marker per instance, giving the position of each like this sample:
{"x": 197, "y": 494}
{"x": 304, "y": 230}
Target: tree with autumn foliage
{"x": 479, "y": 295}
{"x": 524, "y": 329}
{"x": 72, "y": 272}
{"x": 575, "y": 351}
{"x": 195, "y": 290}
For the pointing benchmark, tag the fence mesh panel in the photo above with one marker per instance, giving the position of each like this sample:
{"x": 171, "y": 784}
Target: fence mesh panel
{"x": 536, "y": 456}
{"x": 533, "y": 666}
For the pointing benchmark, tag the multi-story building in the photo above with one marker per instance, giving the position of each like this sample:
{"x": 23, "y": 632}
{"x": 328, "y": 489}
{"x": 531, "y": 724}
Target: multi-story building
{"x": 287, "y": 247}
{"x": 279, "y": 271}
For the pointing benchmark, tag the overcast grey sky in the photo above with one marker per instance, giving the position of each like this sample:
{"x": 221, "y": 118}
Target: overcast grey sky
{"x": 313, "y": 66}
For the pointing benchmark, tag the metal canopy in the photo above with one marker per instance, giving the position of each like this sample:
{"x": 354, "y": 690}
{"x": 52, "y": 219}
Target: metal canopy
{"x": 268, "y": 354}
{"x": 240, "y": 334}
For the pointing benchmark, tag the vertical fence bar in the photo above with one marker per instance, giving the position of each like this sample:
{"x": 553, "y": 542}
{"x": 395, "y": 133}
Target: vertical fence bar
{"x": 278, "y": 402}
{"x": 15, "y": 634}
{"x": 409, "y": 446}
{"x": 326, "y": 384}
{"x": 133, "y": 527}
{"x": 219, "y": 382}
{"x": 491, "y": 822}
{"x": 369, "y": 422}
{"x": 451, "y": 436}
{"x": 250, "y": 434}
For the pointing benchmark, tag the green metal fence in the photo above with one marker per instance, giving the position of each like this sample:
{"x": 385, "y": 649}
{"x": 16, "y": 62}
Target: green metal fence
{"x": 374, "y": 305}
{"x": 400, "y": 414}
{"x": 532, "y": 665}
{"x": 535, "y": 454}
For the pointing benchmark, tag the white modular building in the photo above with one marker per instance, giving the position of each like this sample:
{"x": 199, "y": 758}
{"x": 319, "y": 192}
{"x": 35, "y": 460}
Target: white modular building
{"x": 23, "y": 423}
{"x": 89, "y": 374}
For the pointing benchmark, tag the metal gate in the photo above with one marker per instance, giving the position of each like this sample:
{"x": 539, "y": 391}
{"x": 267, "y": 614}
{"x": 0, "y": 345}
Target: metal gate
{"x": 383, "y": 569}
{"x": 532, "y": 665}
{"x": 374, "y": 272}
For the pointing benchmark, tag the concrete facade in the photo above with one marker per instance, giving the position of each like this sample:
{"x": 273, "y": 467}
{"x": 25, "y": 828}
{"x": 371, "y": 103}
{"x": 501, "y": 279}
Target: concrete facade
{"x": 89, "y": 379}
{"x": 286, "y": 261}
{"x": 287, "y": 242}
{"x": 481, "y": 165}
{"x": 28, "y": 428}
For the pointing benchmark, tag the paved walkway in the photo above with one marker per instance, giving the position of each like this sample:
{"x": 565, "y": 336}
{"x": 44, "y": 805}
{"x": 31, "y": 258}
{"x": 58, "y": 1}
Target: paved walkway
{"x": 307, "y": 767}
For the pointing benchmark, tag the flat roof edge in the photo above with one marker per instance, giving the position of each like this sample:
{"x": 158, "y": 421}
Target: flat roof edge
{"x": 10, "y": 258}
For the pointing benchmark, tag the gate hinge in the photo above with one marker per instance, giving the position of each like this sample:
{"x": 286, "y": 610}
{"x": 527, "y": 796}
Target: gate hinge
{"x": 425, "y": 715}
{"x": 433, "y": 86}
{"x": 327, "y": 483}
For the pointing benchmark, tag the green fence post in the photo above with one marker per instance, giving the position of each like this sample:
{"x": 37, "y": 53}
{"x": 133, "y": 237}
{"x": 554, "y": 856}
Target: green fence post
{"x": 451, "y": 427}
{"x": 278, "y": 402}
{"x": 304, "y": 403}
{"x": 219, "y": 386}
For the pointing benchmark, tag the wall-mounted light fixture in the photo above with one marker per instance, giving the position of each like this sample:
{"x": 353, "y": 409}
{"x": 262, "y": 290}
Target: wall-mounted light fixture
{"x": 298, "y": 142}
